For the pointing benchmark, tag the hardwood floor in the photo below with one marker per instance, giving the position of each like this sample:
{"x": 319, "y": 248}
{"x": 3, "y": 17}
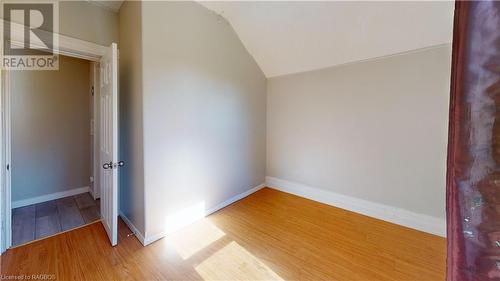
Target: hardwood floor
{"x": 269, "y": 235}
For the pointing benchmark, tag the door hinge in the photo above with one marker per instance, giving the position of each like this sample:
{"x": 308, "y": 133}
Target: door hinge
{"x": 8, "y": 167}
{"x": 92, "y": 90}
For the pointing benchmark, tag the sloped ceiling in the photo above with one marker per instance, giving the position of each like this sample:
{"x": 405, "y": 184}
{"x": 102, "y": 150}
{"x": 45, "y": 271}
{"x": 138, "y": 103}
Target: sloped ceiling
{"x": 290, "y": 37}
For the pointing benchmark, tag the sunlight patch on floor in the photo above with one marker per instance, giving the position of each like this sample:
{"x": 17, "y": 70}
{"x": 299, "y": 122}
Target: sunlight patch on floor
{"x": 233, "y": 262}
{"x": 193, "y": 238}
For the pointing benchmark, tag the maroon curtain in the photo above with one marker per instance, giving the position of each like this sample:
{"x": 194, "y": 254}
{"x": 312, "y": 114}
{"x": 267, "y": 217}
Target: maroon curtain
{"x": 473, "y": 176}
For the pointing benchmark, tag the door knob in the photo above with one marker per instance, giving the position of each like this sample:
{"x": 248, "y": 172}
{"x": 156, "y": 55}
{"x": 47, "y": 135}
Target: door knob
{"x": 112, "y": 165}
{"x": 106, "y": 166}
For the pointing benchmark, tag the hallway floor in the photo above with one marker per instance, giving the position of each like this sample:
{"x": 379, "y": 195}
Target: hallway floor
{"x": 269, "y": 235}
{"x": 48, "y": 218}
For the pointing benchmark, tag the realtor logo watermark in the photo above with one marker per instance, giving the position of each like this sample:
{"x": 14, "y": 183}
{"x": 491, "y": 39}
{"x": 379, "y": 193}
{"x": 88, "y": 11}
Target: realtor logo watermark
{"x": 30, "y": 35}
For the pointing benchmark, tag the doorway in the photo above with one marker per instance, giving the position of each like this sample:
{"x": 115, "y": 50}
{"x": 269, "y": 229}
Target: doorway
{"x": 52, "y": 150}
{"x": 106, "y": 149}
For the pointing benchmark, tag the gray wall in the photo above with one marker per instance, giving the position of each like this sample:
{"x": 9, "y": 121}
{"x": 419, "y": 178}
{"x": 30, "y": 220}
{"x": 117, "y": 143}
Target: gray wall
{"x": 131, "y": 115}
{"x": 50, "y": 129}
{"x": 204, "y": 112}
{"x": 373, "y": 130}
{"x": 85, "y": 21}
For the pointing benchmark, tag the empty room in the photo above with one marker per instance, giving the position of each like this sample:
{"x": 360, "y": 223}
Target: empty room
{"x": 250, "y": 140}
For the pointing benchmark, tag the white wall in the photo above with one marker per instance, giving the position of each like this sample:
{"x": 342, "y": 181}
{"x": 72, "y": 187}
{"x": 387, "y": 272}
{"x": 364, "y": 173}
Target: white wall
{"x": 204, "y": 112}
{"x": 131, "y": 116}
{"x": 374, "y": 130}
{"x": 50, "y": 129}
{"x": 193, "y": 111}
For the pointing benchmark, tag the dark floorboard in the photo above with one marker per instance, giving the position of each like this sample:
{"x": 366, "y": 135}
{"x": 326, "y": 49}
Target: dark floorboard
{"x": 69, "y": 214}
{"x": 23, "y": 225}
{"x": 90, "y": 214}
{"x": 84, "y": 200}
{"x": 49, "y": 218}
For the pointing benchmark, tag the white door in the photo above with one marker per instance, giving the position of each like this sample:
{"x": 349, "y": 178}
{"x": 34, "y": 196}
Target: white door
{"x": 109, "y": 142}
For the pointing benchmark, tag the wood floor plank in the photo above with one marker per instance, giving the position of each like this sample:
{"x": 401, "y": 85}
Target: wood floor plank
{"x": 269, "y": 235}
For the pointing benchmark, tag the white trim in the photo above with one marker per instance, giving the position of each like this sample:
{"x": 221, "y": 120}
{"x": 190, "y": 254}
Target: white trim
{"x": 132, "y": 227}
{"x": 6, "y": 160}
{"x": 93, "y": 194}
{"x": 68, "y": 46}
{"x": 233, "y": 199}
{"x": 2, "y": 175}
{"x": 154, "y": 238}
{"x": 86, "y": 50}
{"x": 150, "y": 239}
{"x": 49, "y": 197}
{"x": 391, "y": 214}
{"x": 95, "y": 190}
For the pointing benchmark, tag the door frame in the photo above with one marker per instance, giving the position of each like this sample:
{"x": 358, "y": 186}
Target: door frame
{"x": 68, "y": 46}
{"x": 5, "y": 185}
{"x": 95, "y": 165}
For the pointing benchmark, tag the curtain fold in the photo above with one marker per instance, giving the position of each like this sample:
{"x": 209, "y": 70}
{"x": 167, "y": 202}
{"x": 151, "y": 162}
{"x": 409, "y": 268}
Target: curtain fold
{"x": 473, "y": 174}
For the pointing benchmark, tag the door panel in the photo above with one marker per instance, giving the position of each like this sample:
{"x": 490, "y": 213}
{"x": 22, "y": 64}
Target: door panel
{"x": 109, "y": 142}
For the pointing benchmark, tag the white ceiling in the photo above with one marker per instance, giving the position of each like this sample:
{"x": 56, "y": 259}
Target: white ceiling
{"x": 290, "y": 37}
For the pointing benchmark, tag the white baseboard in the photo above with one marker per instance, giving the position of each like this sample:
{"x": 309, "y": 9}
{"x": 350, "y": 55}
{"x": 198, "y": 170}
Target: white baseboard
{"x": 94, "y": 195}
{"x": 153, "y": 238}
{"x": 425, "y": 223}
{"x": 132, "y": 227}
{"x": 49, "y": 197}
{"x": 234, "y": 199}
{"x": 150, "y": 239}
